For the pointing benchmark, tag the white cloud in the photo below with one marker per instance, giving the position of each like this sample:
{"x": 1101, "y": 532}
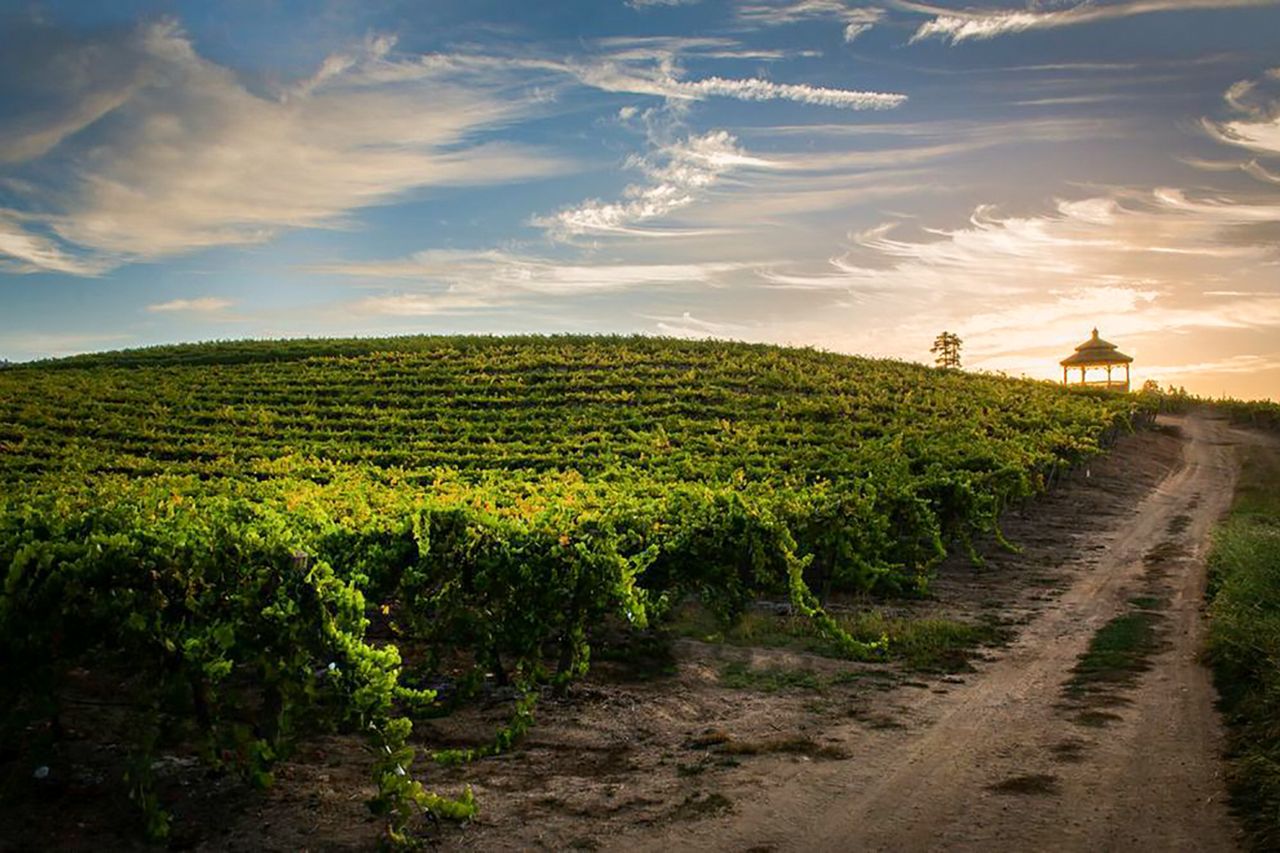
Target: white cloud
{"x": 193, "y": 158}
{"x": 778, "y": 199}
{"x": 972, "y": 25}
{"x": 678, "y": 174}
{"x": 77, "y": 80}
{"x": 852, "y": 31}
{"x": 1261, "y": 136}
{"x": 23, "y": 251}
{"x": 763, "y": 90}
{"x": 492, "y": 270}
{"x": 776, "y": 14}
{"x": 688, "y": 326}
{"x": 425, "y": 304}
{"x": 36, "y": 135}
{"x": 1249, "y": 364}
{"x": 32, "y": 344}
{"x": 955, "y": 28}
{"x": 1021, "y": 290}
{"x": 857, "y": 19}
{"x": 1094, "y": 242}
{"x": 1254, "y": 169}
{"x": 1259, "y": 102}
{"x": 467, "y": 281}
{"x": 199, "y": 305}
{"x": 659, "y": 82}
{"x": 667, "y": 48}
{"x": 650, "y": 67}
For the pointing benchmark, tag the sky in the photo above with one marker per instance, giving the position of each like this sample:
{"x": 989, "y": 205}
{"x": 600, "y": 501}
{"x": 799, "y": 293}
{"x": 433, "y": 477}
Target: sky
{"x": 851, "y": 176}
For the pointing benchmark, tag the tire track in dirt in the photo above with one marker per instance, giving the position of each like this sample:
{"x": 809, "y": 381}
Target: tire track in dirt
{"x": 997, "y": 763}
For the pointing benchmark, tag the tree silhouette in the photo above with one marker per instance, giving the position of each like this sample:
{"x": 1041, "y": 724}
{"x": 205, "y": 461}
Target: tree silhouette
{"x": 946, "y": 350}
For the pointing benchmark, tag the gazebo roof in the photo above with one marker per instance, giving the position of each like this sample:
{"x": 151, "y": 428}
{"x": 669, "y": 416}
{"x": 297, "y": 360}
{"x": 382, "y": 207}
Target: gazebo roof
{"x": 1095, "y": 351}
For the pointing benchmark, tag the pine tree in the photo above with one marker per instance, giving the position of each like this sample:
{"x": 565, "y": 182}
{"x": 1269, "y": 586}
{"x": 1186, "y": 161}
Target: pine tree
{"x": 946, "y": 350}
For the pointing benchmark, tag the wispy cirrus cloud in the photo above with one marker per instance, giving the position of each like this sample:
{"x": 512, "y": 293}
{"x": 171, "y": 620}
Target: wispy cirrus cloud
{"x": 197, "y": 305}
{"x": 168, "y": 152}
{"x": 1257, "y": 126}
{"x": 180, "y": 154}
{"x": 443, "y": 281}
{"x": 51, "y": 344}
{"x": 504, "y": 269}
{"x": 677, "y": 175}
{"x": 24, "y": 250}
{"x": 1252, "y": 168}
{"x": 845, "y": 166}
{"x": 764, "y": 90}
{"x": 1249, "y": 364}
{"x": 1090, "y": 242}
{"x": 77, "y": 81}
{"x": 688, "y": 326}
{"x": 955, "y": 26}
{"x": 857, "y": 19}
{"x": 428, "y": 304}
{"x": 649, "y": 4}
{"x": 714, "y": 185}
{"x": 1022, "y": 289}
{"x": 651, "y": 67}
{"x": 668, "y": 49}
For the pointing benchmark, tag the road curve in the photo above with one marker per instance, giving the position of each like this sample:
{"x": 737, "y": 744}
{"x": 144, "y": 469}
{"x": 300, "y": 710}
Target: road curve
{"x": 998, "y": 763}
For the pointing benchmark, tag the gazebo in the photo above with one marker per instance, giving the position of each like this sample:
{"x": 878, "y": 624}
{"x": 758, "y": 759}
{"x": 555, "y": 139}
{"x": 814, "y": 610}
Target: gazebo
{"x": 1096, "y": 353}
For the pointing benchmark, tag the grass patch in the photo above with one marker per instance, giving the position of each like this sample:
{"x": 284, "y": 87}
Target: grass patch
{"x": 698, "y": 805}
{"x": 1163, "y": 553}
{"x": 1117, "y": 654}
{"x": 705, "y": 763}
{"x": 1244, "y": 643}
{"x": 739, "y": 676}
{"x": 1069, "y": 751}
{"x": 795, "y": 745}
{"x": 931, "y": 644}
{"x": 772, "y": 680}
{"x": 709, "y": 738}
{"x": 926, "y": 644}
{"x": 874, "y": 719}
{"x": 1096, "y": 719}
{"x": 1034, "y": 784}
{"x": 722, "y": 743}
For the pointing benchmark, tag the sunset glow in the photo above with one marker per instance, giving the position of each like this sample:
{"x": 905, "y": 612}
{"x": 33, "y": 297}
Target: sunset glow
{"x": 844, "y": 175}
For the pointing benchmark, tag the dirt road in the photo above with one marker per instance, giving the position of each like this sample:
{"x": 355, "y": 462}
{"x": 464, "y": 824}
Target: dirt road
{"x": 1006, "y": 761}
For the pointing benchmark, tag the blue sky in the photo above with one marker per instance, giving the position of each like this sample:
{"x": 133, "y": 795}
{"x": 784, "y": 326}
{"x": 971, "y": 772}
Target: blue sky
{"x": 855, "y": 176}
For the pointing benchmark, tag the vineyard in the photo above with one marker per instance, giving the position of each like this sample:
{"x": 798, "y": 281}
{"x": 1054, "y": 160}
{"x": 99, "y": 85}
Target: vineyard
{"x": 262, "y": 541}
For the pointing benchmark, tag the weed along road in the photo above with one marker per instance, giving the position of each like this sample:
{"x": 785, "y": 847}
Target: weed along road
{"x": 1094, "y": 730}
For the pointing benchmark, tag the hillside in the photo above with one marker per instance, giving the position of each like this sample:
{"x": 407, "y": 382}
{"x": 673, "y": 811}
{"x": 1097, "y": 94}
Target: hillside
{"x": 618, "y": 407}
{"x": 261, "y": 540}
